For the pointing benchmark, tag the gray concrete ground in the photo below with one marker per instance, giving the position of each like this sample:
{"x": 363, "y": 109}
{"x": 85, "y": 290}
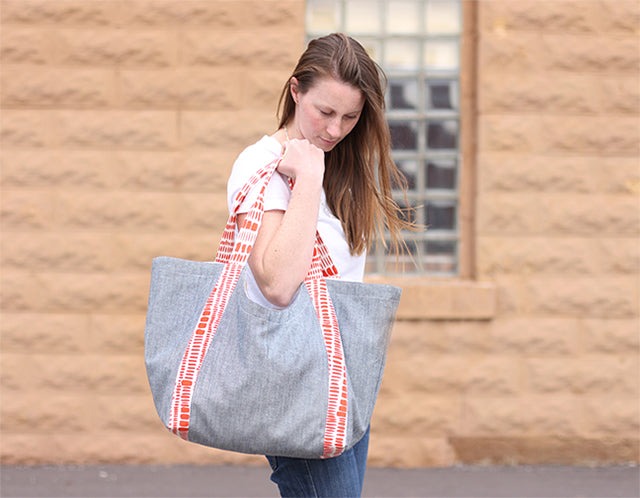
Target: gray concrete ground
{"x": 116, "y": 481}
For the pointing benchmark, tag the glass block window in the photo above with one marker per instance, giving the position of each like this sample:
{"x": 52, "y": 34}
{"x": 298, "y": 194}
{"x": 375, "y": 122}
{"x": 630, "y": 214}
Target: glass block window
{"x": 417, "y": 43}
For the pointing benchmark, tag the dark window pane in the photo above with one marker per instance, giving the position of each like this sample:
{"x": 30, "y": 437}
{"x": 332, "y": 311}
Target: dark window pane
{"x": 442, "y": 94}
{"x": 441, "y": 247}
{"x": 404, "y": 135}
{"x": 403, "y": 94}
{"x": 410, "y": 171}
{"x": 442, "y": 174}
{"x": 442, "y": 134}
{"x": 414, "y": 247}
{"x": 408, "y": 212}
{"x": 441, "y": 215}
{"x": 441, "y": 257}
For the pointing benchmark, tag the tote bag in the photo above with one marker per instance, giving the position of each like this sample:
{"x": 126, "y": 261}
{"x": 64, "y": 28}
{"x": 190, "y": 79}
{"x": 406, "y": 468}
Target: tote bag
{"x": 228, "y": 373}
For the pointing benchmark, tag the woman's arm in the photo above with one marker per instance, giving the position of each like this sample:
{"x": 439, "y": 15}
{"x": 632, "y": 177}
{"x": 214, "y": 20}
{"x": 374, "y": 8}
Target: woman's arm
{"x": 281, "y": 256}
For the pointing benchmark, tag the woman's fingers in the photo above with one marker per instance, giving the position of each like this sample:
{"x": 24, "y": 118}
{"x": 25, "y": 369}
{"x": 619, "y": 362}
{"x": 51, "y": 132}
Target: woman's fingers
{"x": 301, "y": 157}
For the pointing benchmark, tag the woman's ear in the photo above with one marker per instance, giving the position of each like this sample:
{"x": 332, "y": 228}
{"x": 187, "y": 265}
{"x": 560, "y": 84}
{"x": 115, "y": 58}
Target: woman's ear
{"x": 293, "y": 88}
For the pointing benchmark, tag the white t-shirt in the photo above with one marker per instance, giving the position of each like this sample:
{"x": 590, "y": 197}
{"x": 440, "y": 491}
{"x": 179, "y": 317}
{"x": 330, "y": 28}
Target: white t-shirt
{"x": 277, "y": 196}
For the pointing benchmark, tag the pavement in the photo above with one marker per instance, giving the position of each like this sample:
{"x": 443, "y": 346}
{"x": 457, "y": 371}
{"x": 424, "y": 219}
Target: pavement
{"x": 114, "y": 481}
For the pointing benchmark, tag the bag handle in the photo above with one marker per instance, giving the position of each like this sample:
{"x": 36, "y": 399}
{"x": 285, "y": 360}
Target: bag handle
{"x": 234, "y": 255}
{"x": 254, "y": 216}
{"x": 253, "y": 221}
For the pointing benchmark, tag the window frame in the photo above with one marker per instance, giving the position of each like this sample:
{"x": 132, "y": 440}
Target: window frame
{"x": 429, "y": 298}
{"x": 463, "y": 194}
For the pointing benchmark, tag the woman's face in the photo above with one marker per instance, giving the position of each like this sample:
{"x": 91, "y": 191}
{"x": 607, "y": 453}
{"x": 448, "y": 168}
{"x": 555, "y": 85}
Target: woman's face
{"x": 327, "y": 112}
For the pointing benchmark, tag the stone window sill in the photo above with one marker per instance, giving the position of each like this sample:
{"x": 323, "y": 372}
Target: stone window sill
{"x": 432, "y": 299}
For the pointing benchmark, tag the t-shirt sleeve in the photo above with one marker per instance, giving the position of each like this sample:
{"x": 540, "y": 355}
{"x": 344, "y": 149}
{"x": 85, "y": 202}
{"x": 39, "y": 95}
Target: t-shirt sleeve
{"x": 277, "y": 193}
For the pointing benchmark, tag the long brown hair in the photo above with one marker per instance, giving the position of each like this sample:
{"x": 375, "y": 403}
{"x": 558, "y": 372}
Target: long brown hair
{"x": 359, "y": 172}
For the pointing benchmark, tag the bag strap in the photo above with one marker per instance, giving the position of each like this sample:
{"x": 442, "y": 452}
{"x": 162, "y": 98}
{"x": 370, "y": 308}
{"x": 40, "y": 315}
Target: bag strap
{"x": 254, "y": 216}
{"x": 234, "y": 254}
{"x": 254, "y": 219}
{"x": 335, "y": 436}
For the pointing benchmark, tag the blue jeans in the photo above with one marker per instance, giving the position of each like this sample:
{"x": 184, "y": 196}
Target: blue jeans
{"x": 342, "y": 476}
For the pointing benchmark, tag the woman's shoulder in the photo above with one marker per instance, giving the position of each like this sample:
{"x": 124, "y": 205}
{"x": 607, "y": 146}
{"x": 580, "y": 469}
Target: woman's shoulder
{"x": 250, "y": 160}
{"x": 265, "y": 148}
{"x": 253, "y": 157}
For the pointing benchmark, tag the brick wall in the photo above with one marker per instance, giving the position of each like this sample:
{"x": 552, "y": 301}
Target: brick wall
{"x": 557, "y": 231}
{"x": 120, "y": 121}
{"x": 553, "y": 376}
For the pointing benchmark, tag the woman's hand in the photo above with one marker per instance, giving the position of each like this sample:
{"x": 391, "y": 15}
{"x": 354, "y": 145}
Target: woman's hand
{"x": 302, "y": 158}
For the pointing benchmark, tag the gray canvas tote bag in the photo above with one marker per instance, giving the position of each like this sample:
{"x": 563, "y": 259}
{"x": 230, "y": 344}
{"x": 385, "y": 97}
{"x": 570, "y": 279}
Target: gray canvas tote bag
{"x": 229, "y": 373}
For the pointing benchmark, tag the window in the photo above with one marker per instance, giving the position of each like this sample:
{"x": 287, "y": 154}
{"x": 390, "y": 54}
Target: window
{"x": 417, "y": 43}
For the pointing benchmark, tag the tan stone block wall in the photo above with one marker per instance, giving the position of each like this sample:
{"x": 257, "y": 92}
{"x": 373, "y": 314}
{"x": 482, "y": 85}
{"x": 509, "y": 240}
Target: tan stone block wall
{"x": 552, "y": 376}
{"x": 120, "y": 122}
{"x": 558, "y": 219}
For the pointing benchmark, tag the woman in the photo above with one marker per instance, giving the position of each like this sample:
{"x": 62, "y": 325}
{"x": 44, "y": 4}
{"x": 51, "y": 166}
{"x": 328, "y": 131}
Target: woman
{"x": 335, "y": 145}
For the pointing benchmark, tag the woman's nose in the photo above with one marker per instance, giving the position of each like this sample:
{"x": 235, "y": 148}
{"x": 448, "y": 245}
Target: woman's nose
{"x": 334, "y": 129}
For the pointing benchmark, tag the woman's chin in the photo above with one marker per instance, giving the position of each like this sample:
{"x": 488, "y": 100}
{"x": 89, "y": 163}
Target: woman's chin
{"x": 325, "y": 145}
